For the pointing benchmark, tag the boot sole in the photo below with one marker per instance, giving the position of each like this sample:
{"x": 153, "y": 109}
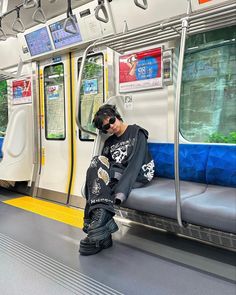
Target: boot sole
{"x": 103, "y": 232}
{"x": 91, "y": 249}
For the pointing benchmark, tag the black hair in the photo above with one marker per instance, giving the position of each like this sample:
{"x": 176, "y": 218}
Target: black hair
{"x": 105, "y": 111}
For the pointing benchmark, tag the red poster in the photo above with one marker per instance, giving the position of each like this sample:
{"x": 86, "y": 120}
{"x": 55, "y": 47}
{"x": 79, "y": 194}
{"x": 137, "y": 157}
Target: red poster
{"x": 21, "y": 91}
{"x": 203, "y": 1}
{"x": 140, "y": 70}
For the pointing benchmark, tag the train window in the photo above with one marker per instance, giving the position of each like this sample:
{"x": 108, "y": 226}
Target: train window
{"x": 3, "y": 108}
{"x": 54, "y": 96}
{"x": 92, "y": 92}
{"x": 208, "y": 95}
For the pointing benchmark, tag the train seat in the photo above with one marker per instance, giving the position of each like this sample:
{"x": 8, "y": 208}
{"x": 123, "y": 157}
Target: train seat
{"x": 215, "y": 208}
{"x": 158, "y": 197}
{"x": 208, "y": 181}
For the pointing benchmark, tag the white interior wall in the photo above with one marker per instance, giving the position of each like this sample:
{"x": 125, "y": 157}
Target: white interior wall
{"x": 9, "y": 53}
{"x": 152, "y": 109}
{"x": 158, "y": 10}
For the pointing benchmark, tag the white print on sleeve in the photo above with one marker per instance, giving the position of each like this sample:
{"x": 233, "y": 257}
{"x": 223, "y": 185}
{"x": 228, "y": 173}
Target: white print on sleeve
{"x": 148, "y": 170}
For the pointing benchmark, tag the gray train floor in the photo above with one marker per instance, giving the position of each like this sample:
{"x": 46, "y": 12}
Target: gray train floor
{"x": 40, "y": 256}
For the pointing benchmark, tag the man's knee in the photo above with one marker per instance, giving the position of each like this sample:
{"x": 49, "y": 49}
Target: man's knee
{"x": 105, "y": 161}
{"x": 98, "y": 160}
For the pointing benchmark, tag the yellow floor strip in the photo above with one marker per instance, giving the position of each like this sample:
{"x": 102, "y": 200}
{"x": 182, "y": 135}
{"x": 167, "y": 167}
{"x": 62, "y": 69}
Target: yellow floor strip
{"x": 60, "y": 213}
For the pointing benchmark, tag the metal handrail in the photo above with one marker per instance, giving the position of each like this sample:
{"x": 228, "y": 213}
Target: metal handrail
{"x": 185, "y": 23}
{"x": 18, "y": 25}
{"x": 39, "y": 15}
{"x": 101, "y": 6}
{"x": 70, "y": 21}
{"x": 143, "y": 6}
{"x": 78, "y": 94}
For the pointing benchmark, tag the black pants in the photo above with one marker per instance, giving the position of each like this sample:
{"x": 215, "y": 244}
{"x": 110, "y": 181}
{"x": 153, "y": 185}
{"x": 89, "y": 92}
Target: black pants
{"x": 99, "y": 186}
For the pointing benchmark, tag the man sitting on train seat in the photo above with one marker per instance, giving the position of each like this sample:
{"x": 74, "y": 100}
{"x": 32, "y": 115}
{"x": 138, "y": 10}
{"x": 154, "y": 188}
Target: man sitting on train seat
{"x": 125, "y": 163}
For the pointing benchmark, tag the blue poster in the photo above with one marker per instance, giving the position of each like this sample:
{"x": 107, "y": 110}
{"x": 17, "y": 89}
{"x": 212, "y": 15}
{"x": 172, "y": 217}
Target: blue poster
{"x": 90, "y": 86}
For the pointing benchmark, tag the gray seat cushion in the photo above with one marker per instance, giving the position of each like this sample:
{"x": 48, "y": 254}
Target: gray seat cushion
{"x": 215, "y": 208}
{"x": 158, "y": 197}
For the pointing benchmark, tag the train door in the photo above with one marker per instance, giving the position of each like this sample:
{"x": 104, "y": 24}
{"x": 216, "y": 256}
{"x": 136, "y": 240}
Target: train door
{"x": 93, "y": 93}
{"x": 55, "y": 127}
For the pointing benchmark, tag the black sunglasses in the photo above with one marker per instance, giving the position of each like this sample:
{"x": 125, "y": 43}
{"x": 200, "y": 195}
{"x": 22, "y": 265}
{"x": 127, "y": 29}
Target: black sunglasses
{"x": 107, "y": 126}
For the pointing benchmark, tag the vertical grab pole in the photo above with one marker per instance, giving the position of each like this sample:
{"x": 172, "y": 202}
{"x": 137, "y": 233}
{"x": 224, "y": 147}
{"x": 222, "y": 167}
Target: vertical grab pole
{"x": 177, "y": 106}
{"x": 78, "y": 94}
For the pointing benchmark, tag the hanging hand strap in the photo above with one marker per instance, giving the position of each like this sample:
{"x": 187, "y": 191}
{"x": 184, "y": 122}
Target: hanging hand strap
{"x": 39, "y": 15}
{"x": 70, "y": 23}
{"x": 140, "y": 5}
{"x": 18, "y": 25}
{"x": 101, "y": 7}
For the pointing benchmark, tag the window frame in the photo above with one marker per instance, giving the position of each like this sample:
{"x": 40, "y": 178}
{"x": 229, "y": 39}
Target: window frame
{"x": 45, "y": 105}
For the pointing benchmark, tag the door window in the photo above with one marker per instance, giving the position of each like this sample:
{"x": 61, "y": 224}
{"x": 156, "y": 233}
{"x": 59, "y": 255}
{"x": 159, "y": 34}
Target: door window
{"x": 54, "y": 97}
{"x": 3, "y": 108}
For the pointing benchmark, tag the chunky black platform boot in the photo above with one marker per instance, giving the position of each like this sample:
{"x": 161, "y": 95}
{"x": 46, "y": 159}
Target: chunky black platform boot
{"x": 102, "y": 225}
{"x": 87, "y": 222}
{"x": 88, "y": 247}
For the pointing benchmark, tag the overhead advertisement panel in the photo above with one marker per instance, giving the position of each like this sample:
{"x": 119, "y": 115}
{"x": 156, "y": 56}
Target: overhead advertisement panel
{"x": 38, "y": 41}
{"x": 62, "y": 38}
{"x": 141, "y": 70}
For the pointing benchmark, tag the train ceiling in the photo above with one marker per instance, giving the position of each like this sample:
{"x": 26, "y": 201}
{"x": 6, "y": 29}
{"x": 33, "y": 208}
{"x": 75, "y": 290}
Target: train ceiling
{"x": 51, "y": 8}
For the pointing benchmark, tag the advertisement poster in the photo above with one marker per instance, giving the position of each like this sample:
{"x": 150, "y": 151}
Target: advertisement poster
{"x": 53, "y": 92}
{"x": 141, "y": 70}
{"x": 91, "y": 86}
{"x": 21, "y": 91}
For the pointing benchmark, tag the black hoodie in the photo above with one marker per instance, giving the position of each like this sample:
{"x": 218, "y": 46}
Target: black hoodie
{"x": 130, "y": 160}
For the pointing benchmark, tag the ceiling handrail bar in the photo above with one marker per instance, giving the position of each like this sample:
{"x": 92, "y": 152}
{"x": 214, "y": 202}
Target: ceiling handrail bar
{"x": 173, "y": 22}
{"x": 140, "y": 5}
{"x": 39, "y": 15}
{"x": 70, "y": 21}
{"x": 18, "y": 25}
{"x": 101, "y": 7}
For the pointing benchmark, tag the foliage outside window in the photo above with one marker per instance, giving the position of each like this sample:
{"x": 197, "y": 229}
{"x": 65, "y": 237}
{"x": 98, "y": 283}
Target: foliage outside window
{"x": 92, "y": 93}
{"x": 3, "y": 108}
{"x": 208, "y": 97}
{"x": 54, "y": 96}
